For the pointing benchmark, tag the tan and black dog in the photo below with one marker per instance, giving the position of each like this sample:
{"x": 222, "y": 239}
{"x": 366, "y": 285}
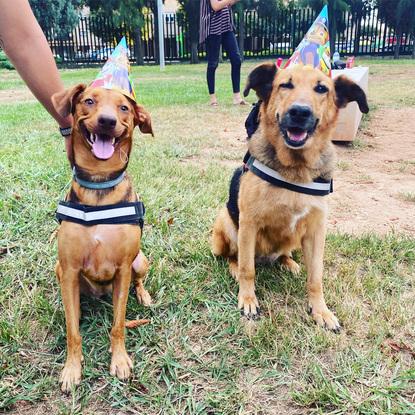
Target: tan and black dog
{"x": 103, "y": 258}
{"x": 297, "y": 117}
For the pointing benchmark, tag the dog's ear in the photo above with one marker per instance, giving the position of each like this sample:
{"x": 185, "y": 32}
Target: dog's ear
{"x": 142, "y": 119}
{"x": 260, "y": 80}
{"x": 348, "y": 91}
{"x": 63, "y": 102}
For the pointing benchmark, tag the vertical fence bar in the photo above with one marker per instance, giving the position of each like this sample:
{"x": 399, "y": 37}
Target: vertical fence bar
{"x": 265, "y": 36}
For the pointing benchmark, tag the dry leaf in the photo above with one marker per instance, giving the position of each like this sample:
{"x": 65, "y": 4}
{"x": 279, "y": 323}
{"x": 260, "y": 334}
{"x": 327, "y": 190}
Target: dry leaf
{"x": 53, "y": 235}
{"x": 400, "y": 347}
{"x": 131, "y": 324}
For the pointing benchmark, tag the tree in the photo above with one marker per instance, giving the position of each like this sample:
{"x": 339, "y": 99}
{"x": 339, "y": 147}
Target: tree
{"x": 336, "y": 22}
{"x": 400, "y": 15}
{"x": 189, "y": 14}
{"x": 359, "y": 10}
{"x": 264, "y": 8}
{"x": 126, "y": 14}
{"x": 240, "y": 8}
{"x": 61, "y": 15}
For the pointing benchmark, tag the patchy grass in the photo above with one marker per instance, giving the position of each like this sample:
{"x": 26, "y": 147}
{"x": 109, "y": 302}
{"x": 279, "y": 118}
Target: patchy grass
{"x": 197, "y": 356}
{"x": 407, "y": 196}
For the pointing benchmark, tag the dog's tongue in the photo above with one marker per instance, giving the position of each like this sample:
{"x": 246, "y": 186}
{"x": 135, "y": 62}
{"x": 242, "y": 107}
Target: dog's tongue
{"x": 297, "y": 135}
{"x": 102, "y": 147}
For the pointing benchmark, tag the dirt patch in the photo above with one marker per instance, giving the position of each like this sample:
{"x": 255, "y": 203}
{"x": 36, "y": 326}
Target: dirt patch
{"x": 375, "y": 184}
{"x": 16, "y": 95}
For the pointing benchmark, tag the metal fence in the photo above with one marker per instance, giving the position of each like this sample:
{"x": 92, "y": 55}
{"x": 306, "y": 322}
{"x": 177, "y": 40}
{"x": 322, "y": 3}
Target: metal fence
{"x": 94, "y": 38}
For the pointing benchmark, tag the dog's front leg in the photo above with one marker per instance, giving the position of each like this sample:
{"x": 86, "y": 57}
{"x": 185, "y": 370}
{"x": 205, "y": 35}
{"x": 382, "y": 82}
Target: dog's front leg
{"x": 247, "y": 300}
{"x": 313, "y": 250}
{"x": 120, "y": 362}
{"x": 71, "y": 373}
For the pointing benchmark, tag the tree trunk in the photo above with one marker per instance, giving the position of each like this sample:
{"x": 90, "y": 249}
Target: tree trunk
{"x": 139, "y": 55}
{"x": 241, "y": 33}
{"x": 358, "y": 32}
{"x": 332, "y": 30}
{"x": 398, "y": 45}
{"x": 194, "y": 57}
{"x": 156, "y": 35}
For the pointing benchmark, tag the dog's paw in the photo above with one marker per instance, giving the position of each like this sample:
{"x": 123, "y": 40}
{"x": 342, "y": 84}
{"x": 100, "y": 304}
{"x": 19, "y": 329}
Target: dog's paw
{"x": 70, "y": 376}
{"x": 290, "y": 265}
{"x": 143, "y": 297}
{"x": 233, "y": 269}
{"x": 325, "y": 318}
{"x": 249, "y": 306}
{"x": 121, "y": 365}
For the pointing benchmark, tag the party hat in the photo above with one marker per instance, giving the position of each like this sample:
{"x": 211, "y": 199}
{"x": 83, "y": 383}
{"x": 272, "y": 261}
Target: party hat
{"x": 314, "y": 49}
{"x": 115, "y": 74}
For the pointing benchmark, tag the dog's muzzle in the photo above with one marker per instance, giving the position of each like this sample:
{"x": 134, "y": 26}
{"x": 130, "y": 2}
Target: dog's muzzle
{"x": 297, "y": 125}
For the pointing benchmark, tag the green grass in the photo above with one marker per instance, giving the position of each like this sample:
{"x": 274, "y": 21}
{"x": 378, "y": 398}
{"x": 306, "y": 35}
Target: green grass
{"x": 196, "y": 356}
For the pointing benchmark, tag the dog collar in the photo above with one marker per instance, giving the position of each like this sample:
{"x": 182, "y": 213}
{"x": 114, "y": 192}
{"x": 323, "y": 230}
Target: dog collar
{"x": 116, "y": 214}
{"x": 98, "y": 185}
{"x": 318, "y": 187}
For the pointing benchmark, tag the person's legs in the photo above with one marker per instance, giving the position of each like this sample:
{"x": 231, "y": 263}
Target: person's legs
{"x": 212, "y": 51}
{"x": 231, "y": 47}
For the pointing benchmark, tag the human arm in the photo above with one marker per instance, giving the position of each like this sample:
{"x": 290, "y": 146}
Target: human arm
{"x": 24, "y": 43}
{"x": 221, "y": 4}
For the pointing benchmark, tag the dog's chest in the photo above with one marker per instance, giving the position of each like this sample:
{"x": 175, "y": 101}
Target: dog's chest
{"x": 99, "y": 251}
{"x": 285, "y": 212}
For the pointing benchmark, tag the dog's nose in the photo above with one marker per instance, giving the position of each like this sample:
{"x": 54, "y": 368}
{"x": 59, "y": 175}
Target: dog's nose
{"x": 300, "y": 112}
{"x": 106, "y": 121}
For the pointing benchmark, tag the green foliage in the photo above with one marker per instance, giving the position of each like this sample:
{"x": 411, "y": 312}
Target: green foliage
{"x": 59, "y": 15}
{"x": 189, "y": 13}
{"x": 269, "y": 8}
{"x": 121, "y": 11}
{"x": 4, "y": 61}
{"x": 400, "y": 14}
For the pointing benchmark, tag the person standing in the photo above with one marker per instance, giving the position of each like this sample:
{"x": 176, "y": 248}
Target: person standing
{"x": 216, "y": 29}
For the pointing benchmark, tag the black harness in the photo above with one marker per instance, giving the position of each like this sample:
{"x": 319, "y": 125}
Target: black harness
{"x": 318, "y": 187}
{"x": 131, "y": 213}
{"x": 123, "y": 213}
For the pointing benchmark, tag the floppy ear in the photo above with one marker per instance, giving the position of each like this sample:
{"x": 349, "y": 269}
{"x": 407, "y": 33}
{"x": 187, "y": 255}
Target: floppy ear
{"x": 347, "y": 91}
{"x": 142, "y": 119}
{"x": 64, "y": 101}
{"x": 261, "y": 79}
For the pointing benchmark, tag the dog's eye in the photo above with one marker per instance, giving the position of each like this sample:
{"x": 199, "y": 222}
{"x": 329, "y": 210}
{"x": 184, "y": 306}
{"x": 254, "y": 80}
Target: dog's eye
{"x": 89, "y": 101}
{"x": 124, "y": 108}
{"x": 321, "y": 89}
{"x": 287, "y": 85}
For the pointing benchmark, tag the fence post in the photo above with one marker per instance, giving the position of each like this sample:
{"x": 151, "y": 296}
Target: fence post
{"x": 161, "y": 33}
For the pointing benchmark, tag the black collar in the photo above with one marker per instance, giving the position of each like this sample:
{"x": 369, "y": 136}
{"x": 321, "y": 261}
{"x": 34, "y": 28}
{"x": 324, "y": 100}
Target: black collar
{"x": 318, "y": 187}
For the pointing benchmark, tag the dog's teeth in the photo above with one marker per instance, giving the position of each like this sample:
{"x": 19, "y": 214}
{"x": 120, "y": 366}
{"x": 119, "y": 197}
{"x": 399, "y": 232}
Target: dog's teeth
{"x": 113, "y": 141}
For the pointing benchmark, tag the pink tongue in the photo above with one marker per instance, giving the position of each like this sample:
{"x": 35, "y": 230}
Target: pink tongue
{"x": 102, "y": 149}
{"x": 297, "y": 136}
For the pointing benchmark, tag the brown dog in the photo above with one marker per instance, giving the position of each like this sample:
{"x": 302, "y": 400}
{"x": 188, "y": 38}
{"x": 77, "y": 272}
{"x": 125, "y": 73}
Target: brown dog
{"x": 296, "y": 120}
{"x": 99, "y": 259}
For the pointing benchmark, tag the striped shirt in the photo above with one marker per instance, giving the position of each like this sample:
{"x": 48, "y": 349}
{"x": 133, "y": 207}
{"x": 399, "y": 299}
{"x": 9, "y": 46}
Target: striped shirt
{"x": 214, "y": 23}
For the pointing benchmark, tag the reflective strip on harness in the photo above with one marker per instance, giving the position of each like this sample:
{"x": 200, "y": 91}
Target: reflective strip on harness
{"x": 319, "y": 187}
{"x": 120, "y": 213}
